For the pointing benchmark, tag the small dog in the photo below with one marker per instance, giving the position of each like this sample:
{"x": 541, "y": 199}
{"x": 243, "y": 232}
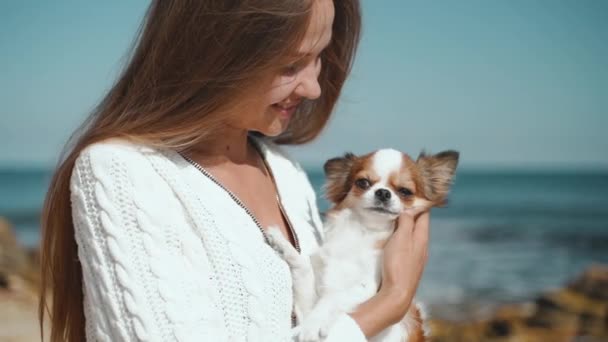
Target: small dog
{"x": 368, "y": 194}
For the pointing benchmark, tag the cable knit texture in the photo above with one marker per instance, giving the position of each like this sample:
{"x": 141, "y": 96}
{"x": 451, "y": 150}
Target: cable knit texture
{"x": 168, "y": 255}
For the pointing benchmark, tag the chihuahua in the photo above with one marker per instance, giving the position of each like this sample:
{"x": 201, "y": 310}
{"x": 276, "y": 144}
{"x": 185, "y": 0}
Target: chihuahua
{"x": 368, "y": 194}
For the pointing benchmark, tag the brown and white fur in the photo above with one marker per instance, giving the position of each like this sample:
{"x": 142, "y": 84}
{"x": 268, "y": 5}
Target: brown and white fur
{"x": 368, "y": 194}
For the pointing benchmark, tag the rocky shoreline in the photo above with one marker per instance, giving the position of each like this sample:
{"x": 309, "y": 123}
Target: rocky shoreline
{"x": 576, "y": 312}
{"x": 19, "y": 288}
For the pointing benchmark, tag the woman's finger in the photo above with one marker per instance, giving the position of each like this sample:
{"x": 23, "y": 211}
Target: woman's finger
{"x": 421, "y": 229}
{"x": 421, "y": 226}
{"x": 423, "y": 222}
{"x": 406, "y": 219}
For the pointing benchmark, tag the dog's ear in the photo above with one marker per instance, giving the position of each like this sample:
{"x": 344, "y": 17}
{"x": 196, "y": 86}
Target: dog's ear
{"x": 337, "y": 174}
{"x": 437, "y": 173}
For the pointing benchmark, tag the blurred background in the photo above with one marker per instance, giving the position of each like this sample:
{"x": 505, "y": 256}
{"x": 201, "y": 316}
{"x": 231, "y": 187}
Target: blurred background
{"x": 520, "y": 88}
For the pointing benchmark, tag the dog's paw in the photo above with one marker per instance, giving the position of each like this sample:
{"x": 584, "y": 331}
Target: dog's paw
{"x": 271, "y": 234}
{"x": 313, "y": 330}
{"x": 275, "y": 239}
{"x": 310, "y": 334}
{"x": 282, "y": 246}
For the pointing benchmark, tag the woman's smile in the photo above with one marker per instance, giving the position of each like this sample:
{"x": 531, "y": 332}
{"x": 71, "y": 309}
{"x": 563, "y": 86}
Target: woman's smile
{"x": 285, "y": 110}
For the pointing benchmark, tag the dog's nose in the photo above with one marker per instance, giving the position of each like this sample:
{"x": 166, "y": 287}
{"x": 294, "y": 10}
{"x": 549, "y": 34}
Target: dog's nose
{"x": 383, "y": 195}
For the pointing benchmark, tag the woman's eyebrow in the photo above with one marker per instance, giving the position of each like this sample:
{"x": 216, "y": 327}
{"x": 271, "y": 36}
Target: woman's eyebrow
{"x": 308, "y": 54}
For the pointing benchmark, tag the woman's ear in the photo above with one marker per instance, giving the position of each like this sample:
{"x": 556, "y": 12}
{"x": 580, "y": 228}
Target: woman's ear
{"x": 437, "y": 173}
{"x": 337, "y": 175}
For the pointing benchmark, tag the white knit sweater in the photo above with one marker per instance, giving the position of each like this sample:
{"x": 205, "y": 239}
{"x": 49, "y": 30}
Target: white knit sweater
{"x": 168, "y": 255}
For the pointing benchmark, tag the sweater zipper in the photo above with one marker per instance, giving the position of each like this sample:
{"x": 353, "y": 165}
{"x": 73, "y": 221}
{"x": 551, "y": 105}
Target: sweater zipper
{"x": 296, "y": 242}
{"x": 280, "y": 202}
{"x": 232, "y": 195}
{"x": 242, "y": 205}
{"x": 198, "y": 166}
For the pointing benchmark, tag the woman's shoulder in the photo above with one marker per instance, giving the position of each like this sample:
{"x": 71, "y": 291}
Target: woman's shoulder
{"x": 115, "y": 158}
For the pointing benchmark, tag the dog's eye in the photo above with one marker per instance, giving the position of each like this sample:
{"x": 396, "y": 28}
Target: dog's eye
{"x": 405, "y": 192}
{"x": 363, "y": 183}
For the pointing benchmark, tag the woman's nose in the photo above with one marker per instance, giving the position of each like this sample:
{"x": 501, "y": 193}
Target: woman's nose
{"x": 309, "y": 86}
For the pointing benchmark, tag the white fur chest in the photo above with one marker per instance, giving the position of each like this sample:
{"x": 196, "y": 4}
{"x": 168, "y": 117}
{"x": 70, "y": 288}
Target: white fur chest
{"x": 350, "y": 259}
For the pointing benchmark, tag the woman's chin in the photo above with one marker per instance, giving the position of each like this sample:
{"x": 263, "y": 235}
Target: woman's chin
{"x": 275, "y": 129}
{"x": 274, "y": 133}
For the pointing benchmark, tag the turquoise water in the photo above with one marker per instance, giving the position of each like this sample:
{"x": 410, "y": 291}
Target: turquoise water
{"x": 21, "y": 197}
{"x": 503, "y": 237}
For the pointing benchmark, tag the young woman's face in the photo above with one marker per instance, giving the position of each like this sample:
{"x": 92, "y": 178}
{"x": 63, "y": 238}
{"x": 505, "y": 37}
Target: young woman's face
{"x": 295, "y": 82}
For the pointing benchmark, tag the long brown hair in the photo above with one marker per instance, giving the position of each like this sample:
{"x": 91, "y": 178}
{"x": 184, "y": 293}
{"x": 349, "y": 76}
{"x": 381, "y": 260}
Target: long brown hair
{"x": 190, "y": 60}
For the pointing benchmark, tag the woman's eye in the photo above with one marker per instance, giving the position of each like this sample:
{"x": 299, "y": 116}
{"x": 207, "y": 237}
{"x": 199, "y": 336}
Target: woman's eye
{"x": 405, "y": 192}
{"x": 290, "y": 70}
{"x": 363, "y": 183}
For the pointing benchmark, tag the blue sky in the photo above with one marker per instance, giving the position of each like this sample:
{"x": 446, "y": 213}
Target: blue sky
{"x": 517, "y": 84}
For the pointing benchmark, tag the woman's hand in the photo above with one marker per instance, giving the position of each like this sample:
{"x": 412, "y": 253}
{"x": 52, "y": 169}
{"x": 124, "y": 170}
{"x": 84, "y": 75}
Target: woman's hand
{"x": 405, "y": 255}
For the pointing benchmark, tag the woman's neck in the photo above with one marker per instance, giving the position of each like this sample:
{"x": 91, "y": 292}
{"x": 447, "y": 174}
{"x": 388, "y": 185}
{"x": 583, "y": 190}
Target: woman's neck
{"x": 232, "y": 147}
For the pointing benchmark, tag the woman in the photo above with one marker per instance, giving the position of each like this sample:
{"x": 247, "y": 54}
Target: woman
{"x": 154, "y": 226}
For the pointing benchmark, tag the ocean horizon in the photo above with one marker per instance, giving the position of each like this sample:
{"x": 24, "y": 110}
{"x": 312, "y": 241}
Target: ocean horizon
{"x": 505, "y": 236}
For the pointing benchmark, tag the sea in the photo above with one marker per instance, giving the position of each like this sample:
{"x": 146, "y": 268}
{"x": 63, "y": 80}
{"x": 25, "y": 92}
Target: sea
{"x": 504, "y": 237}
